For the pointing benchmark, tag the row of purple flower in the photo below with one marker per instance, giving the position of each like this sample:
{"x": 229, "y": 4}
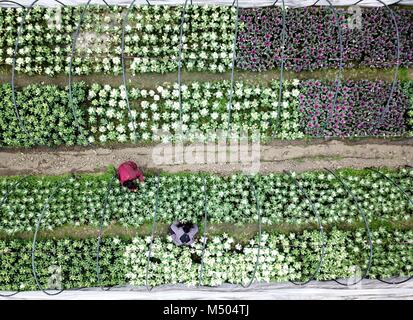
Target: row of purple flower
{"x": 369, "y": 38}
{"x": 360, "y": 109}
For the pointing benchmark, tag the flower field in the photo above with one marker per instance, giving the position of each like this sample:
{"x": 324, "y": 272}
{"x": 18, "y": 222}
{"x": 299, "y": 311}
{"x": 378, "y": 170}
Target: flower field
{"x": 306, "y": 110}
{"x": 152, "y": 39}
{"x": 104, "y": 79}
{"x": 312, "y": 38}
{"x": 80, "y": 201}
{"x": 283, "y": 257}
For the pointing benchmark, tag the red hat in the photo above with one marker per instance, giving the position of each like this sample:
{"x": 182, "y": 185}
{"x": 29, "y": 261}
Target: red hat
{"x": 129, "y": 171}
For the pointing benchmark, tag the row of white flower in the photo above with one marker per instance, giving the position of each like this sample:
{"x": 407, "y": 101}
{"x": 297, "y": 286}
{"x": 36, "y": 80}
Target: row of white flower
{"x": 204, "y": 108}
{"x": 281, "y": 258}
{"x": 151, "y": 39}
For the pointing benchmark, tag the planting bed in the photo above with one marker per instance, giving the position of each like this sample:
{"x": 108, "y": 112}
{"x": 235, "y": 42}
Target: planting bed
{"x": 84, "y": 88}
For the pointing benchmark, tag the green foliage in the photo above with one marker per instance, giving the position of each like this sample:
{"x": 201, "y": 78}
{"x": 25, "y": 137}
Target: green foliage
{"x": 282, "y": 258}
{"x": 231, "y": 199}
{"x": 76, "y": 259}
{"x": 46, "y": 117}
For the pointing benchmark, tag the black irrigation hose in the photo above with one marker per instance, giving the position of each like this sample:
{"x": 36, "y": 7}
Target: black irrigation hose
{"x": 201, "y": 270}
{"x": 181, "y": 31}
{"x": 323, "y": 249}
{"x": 14, "y": 2}
{"x": 351, "y": 194}
{"x": 152, "y": 234}
{"x": 125, "y": 21}
{"x": 13, "y": 75}
{"x": 102, "y": 217}
{"x": 234, "y": 53}
{"x": 62, "y": 4}
{"x": 13, "y": 70}
{"x": 411, "y": 202}
{"x": 33, "y": 252}
{"x": 257, "y": 262}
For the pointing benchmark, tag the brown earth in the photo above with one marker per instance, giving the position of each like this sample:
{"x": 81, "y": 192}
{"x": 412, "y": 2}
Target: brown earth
{"x": 275, "y": 157}
{"x": 152, "y": 80}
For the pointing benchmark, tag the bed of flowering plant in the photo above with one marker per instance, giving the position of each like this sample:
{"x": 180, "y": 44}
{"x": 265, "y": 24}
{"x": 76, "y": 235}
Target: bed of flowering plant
{"x": 230, "y": 200}
{"x": 151, "y": 39}
{"x": 282, "y": 257}
{"x": 44, "y": 116}
{"x": 204, "y": 111}
{"x": 312, "y": 40}
{"x": 71, "y": 262}
{"x": 359, "y": 109}
{"x": 307, "y": 110}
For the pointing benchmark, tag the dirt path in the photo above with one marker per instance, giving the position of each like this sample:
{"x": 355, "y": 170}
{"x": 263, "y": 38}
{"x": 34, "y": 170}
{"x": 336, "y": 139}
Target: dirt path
{"x": 152, "y": 80}
{"x": 276, "y": 157}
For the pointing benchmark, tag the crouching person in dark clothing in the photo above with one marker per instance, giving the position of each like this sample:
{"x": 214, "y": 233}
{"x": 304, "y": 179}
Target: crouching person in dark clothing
{"x": 183, "y": 233}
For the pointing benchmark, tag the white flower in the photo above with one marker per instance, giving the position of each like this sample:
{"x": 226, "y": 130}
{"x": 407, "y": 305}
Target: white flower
{"x": 120, "y": 128}
{"x": 110, "y": 113}
{"x": 102, "y": 138}
{"x": 204, "y": 112}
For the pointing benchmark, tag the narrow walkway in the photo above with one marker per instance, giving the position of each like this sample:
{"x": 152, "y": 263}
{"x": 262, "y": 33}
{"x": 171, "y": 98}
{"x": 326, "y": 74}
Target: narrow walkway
{"x": 152, "y": 80}
{"x": 278, "y": 156}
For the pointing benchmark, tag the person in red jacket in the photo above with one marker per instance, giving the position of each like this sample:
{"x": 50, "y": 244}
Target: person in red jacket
{"x": 128, "y": 173}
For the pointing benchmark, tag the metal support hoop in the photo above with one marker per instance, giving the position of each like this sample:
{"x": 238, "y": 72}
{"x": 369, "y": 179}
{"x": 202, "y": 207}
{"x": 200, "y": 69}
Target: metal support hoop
{"x": 125, "y": 21}
{"x": 234, "y": 53}
{"x": 34, "y": 271}
{"x": 201, "y": 270}
{"x": 323, "y": 249}
{"x": 411, "y": 202}
{"x": 350, "y": 193}
{"x": 152, "y": 234}
{"x": 181, "y": 30}
{"x": 102, "y": 216}
{"x": 257, "y": 262}
{"x": 13, "y": 70}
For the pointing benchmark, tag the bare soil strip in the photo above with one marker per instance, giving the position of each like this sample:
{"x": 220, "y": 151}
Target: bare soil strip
{"x": 276, "y": 157}
{"x": 241, "y": 233}
{"x": 152, "y": 80}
